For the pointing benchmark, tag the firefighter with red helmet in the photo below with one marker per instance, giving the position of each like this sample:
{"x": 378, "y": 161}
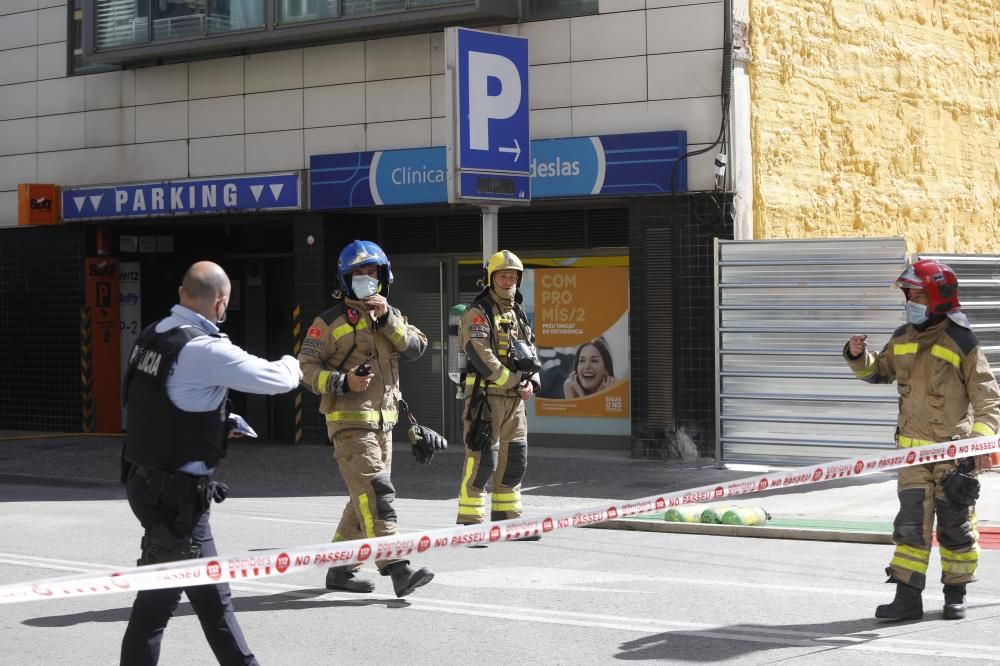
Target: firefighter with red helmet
{"x": 350, "y": 358}
{"x": 501, "y": 374}
{"x": 946, "y": 392}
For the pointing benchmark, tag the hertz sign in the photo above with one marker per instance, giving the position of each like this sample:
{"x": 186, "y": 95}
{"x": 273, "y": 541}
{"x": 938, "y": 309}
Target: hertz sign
{"x": 37, "y": 204}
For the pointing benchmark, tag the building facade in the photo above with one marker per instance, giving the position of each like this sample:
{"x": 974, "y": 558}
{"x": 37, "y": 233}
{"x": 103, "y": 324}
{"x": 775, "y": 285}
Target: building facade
{"x": 103, "y": 95}
{"x": 876, "y": 119}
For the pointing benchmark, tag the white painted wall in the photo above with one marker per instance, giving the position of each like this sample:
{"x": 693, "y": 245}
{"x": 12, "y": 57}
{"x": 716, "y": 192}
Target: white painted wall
{"x": 638, "y": 66}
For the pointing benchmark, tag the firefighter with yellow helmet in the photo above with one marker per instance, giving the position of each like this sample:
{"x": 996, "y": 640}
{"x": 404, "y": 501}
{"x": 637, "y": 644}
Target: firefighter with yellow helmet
{"x": 501, "y": 373}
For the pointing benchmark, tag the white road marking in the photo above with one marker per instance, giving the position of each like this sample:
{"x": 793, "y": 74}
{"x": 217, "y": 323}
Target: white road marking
{"x": 874, "y": 640}
{"x": 870, "y": 641}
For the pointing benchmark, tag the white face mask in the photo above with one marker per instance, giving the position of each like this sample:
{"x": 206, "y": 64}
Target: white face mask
{"x": 364, "y": 286}
{"x": 916, "y": 313}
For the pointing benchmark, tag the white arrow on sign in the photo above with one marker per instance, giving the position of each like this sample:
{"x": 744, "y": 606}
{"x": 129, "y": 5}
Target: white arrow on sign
{"x": 516, "y": 150}
{"x": 256, "y": 190}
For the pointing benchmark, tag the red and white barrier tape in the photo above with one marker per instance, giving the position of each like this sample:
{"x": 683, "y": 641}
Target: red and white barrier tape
{"x": 277, "y": 562}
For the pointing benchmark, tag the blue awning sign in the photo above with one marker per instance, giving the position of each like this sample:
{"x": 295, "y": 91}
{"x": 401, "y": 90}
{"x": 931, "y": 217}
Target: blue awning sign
{"x": 183, "y": 197}
{"x": 607, "y": 165}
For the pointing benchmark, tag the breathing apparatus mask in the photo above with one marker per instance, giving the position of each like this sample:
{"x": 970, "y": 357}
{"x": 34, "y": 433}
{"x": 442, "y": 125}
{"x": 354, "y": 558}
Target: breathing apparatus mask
{"x": 524, "y": 358}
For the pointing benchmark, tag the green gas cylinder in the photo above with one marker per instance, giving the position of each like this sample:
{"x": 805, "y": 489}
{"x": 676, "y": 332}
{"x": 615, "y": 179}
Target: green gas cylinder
{"x": 683, "y": 514}
{"x": 746, "y": 515}
{"x": 456, "y": 357}
{"x": 714, "y": 514}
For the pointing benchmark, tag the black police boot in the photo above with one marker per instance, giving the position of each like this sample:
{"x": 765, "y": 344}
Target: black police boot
{"x": 346, "y": 581}
{"x": 908, "y": 605}
{"x": 405, "y": 578}
{"x": 954, "y": 602}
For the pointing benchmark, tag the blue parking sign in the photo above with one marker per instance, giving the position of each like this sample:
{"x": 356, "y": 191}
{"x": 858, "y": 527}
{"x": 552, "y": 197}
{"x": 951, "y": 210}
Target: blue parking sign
{"x": 492, "y": 102}
{"x": 489, "y": 151}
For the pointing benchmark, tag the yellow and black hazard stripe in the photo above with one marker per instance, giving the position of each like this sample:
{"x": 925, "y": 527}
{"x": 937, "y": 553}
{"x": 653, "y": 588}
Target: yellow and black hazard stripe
{"x": 296, "y": 348}
{"x": 86, "y": 370}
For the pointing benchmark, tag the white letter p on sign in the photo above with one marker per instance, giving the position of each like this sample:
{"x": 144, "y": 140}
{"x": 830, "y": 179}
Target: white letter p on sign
{"x": 482, "y": 105}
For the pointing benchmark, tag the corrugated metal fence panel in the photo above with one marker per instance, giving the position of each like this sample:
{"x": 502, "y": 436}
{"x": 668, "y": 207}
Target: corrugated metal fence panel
{"x": 785, "y": 310}
{"x": 979, "y": 291}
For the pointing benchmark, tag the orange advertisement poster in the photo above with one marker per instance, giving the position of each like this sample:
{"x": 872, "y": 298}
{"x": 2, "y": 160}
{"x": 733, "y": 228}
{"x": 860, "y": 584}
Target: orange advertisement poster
{"x": 581, "y": 324}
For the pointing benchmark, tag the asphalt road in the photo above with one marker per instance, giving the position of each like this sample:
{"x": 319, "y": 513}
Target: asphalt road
{"x": 579, "y": 596}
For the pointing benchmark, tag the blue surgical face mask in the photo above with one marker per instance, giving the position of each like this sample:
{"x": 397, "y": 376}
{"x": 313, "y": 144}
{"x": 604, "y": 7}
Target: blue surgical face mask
{"x": 364, "y": 286}
{"x": 916, "y": 313}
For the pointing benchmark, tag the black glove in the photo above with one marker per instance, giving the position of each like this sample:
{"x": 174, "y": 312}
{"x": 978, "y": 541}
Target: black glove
{"x": 425, "y": 442}
{"x": 959, "y": 486}
{"x": 219, "y": 491}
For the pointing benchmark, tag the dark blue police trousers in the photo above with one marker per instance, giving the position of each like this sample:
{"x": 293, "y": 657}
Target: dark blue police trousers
{"x": 153, "y": 608}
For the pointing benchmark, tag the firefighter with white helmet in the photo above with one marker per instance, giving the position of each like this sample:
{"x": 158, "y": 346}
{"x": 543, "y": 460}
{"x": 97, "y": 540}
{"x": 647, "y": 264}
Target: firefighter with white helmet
{"x": 946, "y": 391}
{"x": 501, "y": 374}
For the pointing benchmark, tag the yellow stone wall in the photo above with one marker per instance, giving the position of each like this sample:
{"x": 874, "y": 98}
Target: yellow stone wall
{"x": 877, "y": 118}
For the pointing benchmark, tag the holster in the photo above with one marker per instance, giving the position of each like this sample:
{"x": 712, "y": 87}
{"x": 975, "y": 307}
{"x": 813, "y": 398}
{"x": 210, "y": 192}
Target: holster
{"x": 189, "y": 495}
{"x": 159, "y": 544}
{"x": 480, "y": 434}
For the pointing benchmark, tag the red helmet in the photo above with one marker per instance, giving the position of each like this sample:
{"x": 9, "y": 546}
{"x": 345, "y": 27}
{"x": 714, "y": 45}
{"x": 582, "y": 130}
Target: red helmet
{"x": 935, "y": 278}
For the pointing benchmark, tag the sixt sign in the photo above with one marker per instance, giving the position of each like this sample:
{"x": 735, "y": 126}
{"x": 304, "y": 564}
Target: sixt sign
{"x": 183, "y": 197}
{"x": 608, "y": 165}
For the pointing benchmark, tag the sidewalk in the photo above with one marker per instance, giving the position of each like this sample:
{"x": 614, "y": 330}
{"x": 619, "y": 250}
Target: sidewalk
{"x": 853, "y": 509}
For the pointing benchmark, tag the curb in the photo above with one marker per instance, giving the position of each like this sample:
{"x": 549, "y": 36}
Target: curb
{"x": 761, "y": 532}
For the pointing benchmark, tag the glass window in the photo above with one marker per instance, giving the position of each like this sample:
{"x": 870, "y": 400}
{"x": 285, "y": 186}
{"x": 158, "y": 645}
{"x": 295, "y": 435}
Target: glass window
{"x": 354, "y": 7}
{"x": 290, "y": 11}
{"x": 75, "y": 43}
{"x": 125, "y": 22}
{"x": 537, "y": 10}
{"x": 121, "y": 22}
{"x": 226, "y": 15}
{"x": 174, "y": 19}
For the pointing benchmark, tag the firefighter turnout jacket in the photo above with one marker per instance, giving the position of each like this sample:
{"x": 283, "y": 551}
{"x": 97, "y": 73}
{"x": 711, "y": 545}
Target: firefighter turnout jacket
{"x": 341, "y": 340}
{"x": 946, "y": 388}
{"x": 488, "y": 329}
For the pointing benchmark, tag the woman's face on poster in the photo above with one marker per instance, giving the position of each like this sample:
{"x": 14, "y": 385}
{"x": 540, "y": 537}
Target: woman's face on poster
{"x": 590, "y": 368}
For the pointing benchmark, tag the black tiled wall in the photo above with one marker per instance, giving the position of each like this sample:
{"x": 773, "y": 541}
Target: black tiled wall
{"x": 314, "y": 282}
{"x": 42, "y": 283}
{"x": 694, "y": 220}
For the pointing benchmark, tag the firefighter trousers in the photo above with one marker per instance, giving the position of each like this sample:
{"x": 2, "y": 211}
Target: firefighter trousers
{"x": 921, "y": 498}
{"x": 503, "y": 463}
{"x": 365, "y": 461}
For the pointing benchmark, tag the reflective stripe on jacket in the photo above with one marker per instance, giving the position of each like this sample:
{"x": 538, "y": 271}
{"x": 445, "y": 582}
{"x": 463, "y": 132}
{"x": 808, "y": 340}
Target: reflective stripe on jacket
{"x": 342, "y": 339}
{"x": 488, "y": 354}
{"x": 946, "y": 389}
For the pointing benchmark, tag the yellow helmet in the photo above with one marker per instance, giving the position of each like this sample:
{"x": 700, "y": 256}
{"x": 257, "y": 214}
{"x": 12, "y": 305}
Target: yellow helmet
{"x": 504, "y": 260}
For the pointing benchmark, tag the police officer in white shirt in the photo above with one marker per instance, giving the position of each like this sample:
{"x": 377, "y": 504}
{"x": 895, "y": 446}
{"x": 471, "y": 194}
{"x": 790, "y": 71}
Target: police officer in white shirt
{"x": 179, "y": 374}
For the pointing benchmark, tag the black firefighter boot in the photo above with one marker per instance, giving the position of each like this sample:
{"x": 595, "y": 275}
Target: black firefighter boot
{"x": 954, "y": 602}
{"x": 908, "y": 605}
{"x": 405, "y": 578}
{"x": 346, "y": 581}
